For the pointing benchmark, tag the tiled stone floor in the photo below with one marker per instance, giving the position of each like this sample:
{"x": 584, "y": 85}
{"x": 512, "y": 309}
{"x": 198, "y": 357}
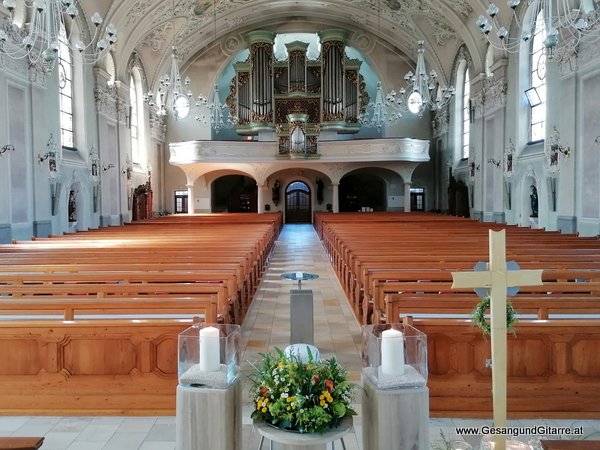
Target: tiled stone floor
{"x": 266, "y": 326}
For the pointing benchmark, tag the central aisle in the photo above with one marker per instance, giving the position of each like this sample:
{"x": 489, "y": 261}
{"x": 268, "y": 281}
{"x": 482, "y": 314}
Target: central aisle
{"x": 267, "y": 324}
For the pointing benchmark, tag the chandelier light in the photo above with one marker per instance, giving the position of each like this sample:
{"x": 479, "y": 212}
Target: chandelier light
{"x": 214, "y": 113}
{"x": 423, "y": 93}
{"x": 563, "y": 19}
{"x": 170, "y": 97}
{"x": 40, "y": 45}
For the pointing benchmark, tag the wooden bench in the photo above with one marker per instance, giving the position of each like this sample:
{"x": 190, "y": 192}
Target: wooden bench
{"x": 89, "y": 367}
{"x": 552, "y": 368}
{"x": 21, "y": 443}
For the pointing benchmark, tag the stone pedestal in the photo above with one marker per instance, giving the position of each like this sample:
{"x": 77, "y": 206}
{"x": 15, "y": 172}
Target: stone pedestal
{"x": 209, "y": 419}
{"x": 301, "y": 317}
{"x": 288, "y": 440}
{"x": 395, "y": 418}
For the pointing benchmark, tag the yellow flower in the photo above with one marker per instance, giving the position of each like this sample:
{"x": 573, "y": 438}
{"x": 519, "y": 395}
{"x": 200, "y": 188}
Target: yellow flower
{"x": 288, "y": 408}
{"x": 264, "y": 410}
{"x": 322, "y": 403}
{"x": 265, "y": 401}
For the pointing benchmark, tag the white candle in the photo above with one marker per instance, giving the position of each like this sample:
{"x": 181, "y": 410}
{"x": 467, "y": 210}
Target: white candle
{"x": 210, "y": 350}
{"x": 299, "y": 275}
{"x": 392, "y": 352}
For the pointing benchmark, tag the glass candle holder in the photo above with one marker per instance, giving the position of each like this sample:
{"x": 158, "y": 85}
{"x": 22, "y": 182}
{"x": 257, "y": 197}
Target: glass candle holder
{"x": 394, "y": 356}
{"x": 209, "y": 355}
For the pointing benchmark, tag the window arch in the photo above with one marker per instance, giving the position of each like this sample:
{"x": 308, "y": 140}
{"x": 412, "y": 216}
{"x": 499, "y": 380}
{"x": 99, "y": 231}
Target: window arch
{"x": 65, "y": 87}
{"x": 537, "y": 79}
{"x": 466, "y": 114}
{"x": 138, "y": 154}
{"x": 462, "y": 110}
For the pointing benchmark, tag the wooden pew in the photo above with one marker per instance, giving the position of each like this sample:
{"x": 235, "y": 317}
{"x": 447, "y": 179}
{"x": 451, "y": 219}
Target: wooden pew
{"x": 89, "y": 367}
{"x": 552, "y": 369}
{"x": 21, "y": 443}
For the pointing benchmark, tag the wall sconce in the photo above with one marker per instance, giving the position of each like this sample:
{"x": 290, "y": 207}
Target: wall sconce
{"x": 128, "y": 170}
{"x": 495, "y": 162}
{"x": 51, "y": 155}
{"x": 107, "y": 168}
{"x": 6, "y": 148}
{"x": 473, "y": 167}
{"x": 553, "y": 150}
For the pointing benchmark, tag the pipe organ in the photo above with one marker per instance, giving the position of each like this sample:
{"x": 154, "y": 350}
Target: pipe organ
{"x": 328, "y": 93}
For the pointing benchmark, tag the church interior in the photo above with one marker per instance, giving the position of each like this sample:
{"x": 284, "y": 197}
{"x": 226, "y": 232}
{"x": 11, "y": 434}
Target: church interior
{"x": 164, "y": 161}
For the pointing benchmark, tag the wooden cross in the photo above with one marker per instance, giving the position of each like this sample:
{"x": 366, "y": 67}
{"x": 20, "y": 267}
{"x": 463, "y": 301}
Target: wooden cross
{"x": 497, "y": 278}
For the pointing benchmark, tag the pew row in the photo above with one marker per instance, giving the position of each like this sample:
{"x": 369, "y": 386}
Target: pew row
{"x": 553, "y": 368}
{"x": 89, "y": 367}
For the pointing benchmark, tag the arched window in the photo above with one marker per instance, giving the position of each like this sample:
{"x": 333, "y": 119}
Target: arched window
{"x": 537, "y": 123}
{"x": 133, "y": 120}
{"x": 466, "y": 114}
{"x": 138, "y": 153}
{"x": 462, "y": 114}
{"x": 65, "y": 86}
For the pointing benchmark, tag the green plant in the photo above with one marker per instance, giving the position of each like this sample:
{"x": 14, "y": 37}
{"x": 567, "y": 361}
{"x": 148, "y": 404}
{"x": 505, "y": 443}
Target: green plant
{"x": 311, "y": 396}
{"x": 478, "y": 316}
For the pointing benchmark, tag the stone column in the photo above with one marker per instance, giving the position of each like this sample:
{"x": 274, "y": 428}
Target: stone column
{"x": 336, "y": 199}
{"x": 407, "y": 185}
{"x": 261, "y": 198}
{"x": 191, "y": 200}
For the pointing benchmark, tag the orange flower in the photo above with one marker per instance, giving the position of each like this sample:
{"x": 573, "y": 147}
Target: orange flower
{"x": 263, "y": 391}
{"x": 329, "y": 385}
{"x": 316, "y": 378}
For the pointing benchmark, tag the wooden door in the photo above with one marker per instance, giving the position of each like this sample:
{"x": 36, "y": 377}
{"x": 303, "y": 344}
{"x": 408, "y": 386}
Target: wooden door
{"x": 297, "y": 203}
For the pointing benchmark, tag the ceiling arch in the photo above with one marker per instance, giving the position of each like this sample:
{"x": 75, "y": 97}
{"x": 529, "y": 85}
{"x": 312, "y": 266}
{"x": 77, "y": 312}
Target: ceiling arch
{"x": 149, "y": 27}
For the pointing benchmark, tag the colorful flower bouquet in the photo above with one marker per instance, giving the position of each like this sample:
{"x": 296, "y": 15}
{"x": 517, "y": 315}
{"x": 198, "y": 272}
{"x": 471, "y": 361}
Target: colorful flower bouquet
{"x": 312, "y": 396}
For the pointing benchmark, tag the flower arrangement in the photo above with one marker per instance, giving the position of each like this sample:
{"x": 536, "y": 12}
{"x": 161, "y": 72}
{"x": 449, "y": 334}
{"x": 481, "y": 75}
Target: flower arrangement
{"x": 311, "y": 396}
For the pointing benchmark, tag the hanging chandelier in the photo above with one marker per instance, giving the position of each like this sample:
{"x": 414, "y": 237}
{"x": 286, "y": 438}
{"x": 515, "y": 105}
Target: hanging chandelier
{"x": 561, "y": 20}
{"x": 215, "y": 113}
{"x": 170, "y": 97}
{"x": 48, "y": 18}
{"x": 423, "y": 93}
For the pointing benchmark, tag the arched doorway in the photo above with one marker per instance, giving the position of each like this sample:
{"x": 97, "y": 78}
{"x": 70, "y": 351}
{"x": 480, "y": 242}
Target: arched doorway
{"x": 234, "y": 193}
{"x": 297, "y": 203}
{"x": 362, "y": 190}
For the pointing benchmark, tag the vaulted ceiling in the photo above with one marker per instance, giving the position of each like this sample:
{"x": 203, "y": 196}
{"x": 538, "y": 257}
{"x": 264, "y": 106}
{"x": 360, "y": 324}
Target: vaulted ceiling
{"x": 151, "y": 27}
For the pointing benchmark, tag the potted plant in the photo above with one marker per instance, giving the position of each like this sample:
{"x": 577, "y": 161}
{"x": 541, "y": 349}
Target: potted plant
{"x": 307, "y": 397}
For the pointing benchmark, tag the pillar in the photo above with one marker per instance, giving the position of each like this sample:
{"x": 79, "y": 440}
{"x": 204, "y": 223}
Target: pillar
{"x": 191, "y": 200}
{"x": 261, "y": 198}
{"x": 407, "y": 185}
{"x": 336, "y": 198}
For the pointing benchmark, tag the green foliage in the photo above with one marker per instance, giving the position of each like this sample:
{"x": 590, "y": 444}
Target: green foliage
{"x": 304, "y": 396}
{"x": 478, "y": 316}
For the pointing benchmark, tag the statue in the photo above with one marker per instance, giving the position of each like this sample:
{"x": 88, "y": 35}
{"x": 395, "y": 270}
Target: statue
{"x": 533, "y": 195}
{"x": 320, "y": 187}
{"x": 71, "y": 207}
{"x": 275, "y": 193}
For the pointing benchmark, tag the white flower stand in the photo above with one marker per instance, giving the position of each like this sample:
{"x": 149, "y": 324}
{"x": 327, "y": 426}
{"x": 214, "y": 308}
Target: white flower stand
{"x": 287, "y": 440}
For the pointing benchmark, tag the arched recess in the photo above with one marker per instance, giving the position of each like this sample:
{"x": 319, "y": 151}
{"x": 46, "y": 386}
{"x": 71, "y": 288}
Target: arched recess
{"x": 298, "y": 204}
{"x": 370, "y": 189}
{"x": 234, "y": 193}
{"x": 530, "y": 201}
